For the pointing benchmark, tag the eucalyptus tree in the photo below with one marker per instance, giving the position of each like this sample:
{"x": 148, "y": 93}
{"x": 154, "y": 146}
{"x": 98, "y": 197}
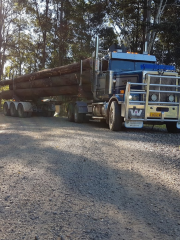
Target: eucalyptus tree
{"x": 19, "y": 40}
{"x": 40, "y": 14}
{"x": 60, "y": 33}
{"x": 88, "y": 19}
{"x": 136, "y": 21}
{"x": 6, "y": 20}
{"x": 128, "y": 21}
{"x": 167, "y": 47}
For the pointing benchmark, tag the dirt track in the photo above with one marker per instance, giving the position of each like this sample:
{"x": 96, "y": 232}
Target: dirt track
{"x": 62, "y": 180}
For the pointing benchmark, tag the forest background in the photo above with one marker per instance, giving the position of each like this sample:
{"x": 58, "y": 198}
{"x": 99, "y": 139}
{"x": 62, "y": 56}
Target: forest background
{"x": 39, "y": 34}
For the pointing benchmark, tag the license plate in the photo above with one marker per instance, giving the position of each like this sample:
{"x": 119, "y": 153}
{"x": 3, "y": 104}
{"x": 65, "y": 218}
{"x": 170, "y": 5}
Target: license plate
{"x": 133, "y": 124}
{"x": 155, "y": 114}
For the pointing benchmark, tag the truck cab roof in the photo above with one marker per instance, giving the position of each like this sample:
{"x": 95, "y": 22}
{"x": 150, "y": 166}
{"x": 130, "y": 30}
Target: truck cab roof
{"x": 132, "y": 56}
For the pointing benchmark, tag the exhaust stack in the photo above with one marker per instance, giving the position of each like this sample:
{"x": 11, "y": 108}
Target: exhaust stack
{"x": 145, "y": 48}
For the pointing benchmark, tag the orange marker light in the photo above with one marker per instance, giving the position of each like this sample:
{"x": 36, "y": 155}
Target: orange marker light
{"x": 121, "y": 91}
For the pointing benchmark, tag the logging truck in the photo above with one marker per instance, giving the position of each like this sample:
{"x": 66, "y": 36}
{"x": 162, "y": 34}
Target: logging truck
{"x": 130, "y": 89}
{"x": 119, "y": 87}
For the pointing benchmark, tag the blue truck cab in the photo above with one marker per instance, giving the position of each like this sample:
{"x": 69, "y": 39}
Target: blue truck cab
{"x": 131, "y": 89}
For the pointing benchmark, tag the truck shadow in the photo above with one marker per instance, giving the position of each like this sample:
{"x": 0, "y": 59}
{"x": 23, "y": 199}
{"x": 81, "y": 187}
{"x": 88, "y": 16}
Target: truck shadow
{"x": 132, "y": 202}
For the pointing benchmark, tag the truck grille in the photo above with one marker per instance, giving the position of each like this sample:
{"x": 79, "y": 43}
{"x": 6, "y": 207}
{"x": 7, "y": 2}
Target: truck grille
{"x": 162, "y": 97}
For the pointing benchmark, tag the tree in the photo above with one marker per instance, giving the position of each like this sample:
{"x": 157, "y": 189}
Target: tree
{"x": 158, "y": 10}
{"x": 167, "y": 46}
{"x": 128, "y": 19}
{"x": 6, "y": 19}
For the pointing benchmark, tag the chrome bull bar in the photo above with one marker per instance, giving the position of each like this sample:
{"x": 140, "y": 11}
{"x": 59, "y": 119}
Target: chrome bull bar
{"x": 146, "y": 104}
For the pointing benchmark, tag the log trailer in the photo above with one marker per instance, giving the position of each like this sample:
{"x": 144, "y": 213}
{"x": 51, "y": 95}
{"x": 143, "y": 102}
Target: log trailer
{"x": 132, "y": 90}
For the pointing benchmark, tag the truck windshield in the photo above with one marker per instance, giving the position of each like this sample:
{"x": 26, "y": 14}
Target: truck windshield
{"x": 125, "y": 65}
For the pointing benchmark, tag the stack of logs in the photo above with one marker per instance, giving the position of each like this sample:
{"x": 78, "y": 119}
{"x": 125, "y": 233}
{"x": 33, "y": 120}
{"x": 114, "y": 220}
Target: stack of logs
{"x": 62, "y": 80}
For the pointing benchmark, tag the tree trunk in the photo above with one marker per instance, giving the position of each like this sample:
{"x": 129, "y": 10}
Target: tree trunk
{"x": 32, "y": 94}
{"x": 47, "y": 73}
{"x": 1, "y": 38}
{"x": 64, "y": 80}
{"x": 157, "y": 20}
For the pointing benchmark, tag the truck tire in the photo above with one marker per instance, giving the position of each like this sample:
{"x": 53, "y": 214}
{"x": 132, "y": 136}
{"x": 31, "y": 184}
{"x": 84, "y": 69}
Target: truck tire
{"x": 171, "y": 127}
{"x": 52, "y": 113}
{"x": 21, "y": 112}
{"x": 29, "y": 114}
{"x": 6, "y": 111}
{"x": 78, "y": 117}
{"x": 115, "y": 119}
{"x": 70, "y": 113}
{"x": 13, "y": 111}
{"x": 48, "y": 113}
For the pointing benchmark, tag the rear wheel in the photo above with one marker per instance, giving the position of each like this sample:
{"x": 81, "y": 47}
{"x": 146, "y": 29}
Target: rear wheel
{"x": 48, "y": 113}
{"x": 6, "y": 110}
{"x": 52, "y": 113}
{"x": 13, "y": 111}
{"x": 115, "y": 119}
{"x": 71, "y": 113}
{"x": 29, "y": 114}
{"x": 78, "y": 117}
{"x": 21, "y": 112}
{"x": 171, "y": 127}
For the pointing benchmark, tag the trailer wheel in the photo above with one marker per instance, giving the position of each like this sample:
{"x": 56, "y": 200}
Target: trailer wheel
{"x": 115, "y": 119}
{"x": 48, "y": 113}
{"x": 70, "y": 113}
{"x": 21, "y": 112}
{"x": 29, "y": 114}
{"x": 6, "y": 111}
{"x": 171, "y": 127}
{"x": 52, "y": 113}
{"x": 13, "y": 111}
{"x": 78, "y": 117}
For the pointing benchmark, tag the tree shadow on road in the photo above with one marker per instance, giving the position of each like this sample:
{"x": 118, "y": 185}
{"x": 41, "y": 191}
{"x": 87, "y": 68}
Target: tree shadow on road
{"x": 132, "y": 203}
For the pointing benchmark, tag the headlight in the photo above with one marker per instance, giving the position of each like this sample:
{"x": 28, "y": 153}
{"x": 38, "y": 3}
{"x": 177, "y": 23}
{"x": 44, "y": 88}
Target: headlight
{"x": 134, "y": 97}
{"x": 171, "y": 98}
{"x": 154, "y": 97}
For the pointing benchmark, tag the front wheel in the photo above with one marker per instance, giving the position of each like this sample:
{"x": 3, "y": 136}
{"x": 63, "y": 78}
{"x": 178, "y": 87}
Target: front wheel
{"x": 171, "y": 127}
{"x": 115, "y": 119}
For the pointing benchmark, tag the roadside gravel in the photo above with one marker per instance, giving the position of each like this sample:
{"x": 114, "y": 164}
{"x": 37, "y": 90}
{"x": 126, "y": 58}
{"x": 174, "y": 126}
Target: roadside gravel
{"x": 61, "y": 180}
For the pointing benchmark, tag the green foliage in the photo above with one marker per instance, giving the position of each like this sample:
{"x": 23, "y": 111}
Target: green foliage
{"x": 51, "y": 33}
{"x": 5, "y": 88}
{"x": 167, "y": 47}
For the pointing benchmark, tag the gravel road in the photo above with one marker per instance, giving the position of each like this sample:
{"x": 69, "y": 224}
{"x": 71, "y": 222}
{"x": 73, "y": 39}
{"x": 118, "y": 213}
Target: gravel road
{"x": 68, "y": 181}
